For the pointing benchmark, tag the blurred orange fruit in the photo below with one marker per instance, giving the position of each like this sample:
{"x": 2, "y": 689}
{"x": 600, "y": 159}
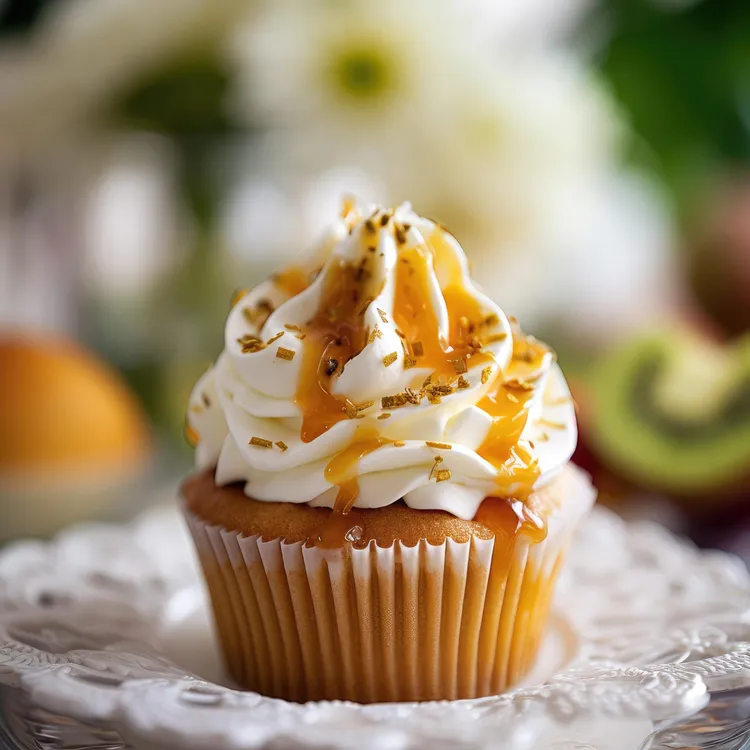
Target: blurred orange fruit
{"x": 64, "y": 412}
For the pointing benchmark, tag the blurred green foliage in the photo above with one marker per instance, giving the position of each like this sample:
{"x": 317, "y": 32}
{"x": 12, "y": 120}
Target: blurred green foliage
{"x": 682, "y": 72}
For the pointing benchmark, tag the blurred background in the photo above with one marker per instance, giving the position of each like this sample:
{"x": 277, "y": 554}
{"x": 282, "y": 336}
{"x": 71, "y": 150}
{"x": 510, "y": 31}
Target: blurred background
{"x": 592, "y": 156}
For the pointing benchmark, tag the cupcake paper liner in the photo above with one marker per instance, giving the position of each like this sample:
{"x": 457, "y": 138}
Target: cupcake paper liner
{"x": 381, "y": 624}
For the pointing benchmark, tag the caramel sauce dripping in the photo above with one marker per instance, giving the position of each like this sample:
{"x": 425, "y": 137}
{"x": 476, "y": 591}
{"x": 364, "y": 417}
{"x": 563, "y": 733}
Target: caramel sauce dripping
{"x": 335, "y": 334}
{"x": 415, "y": 318}
{"x": 344, "y": 524}
{"x": 507, "y": 404}
{"x": 510, "y": 518}
{"x": 292, "y": 280}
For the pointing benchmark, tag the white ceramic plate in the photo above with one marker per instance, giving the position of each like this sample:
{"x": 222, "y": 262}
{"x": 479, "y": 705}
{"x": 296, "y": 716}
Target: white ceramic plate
{"x": 109, "y": 625}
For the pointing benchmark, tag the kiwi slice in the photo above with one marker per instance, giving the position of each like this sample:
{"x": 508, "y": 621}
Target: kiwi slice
{"x": 673, "y": 411}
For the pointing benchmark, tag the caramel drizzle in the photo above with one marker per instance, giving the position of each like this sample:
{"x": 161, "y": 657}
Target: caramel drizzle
{"x": 292, "y": 280}
{"x": 416, "y": 320}
{"x": 342, "y": 472}
{"x": 337, "y": 333}
{"x": 507, "y": 404}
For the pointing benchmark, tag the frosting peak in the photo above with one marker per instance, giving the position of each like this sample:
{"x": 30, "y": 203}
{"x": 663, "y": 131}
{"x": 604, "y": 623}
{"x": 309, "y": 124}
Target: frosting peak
{"x": 381, "y": 372}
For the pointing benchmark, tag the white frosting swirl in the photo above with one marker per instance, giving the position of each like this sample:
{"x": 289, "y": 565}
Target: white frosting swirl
{"x": 254, "y": 394}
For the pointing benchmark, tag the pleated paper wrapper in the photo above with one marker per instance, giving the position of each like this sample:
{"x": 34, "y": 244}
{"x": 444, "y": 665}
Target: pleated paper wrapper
{"x": 381, "y": 624}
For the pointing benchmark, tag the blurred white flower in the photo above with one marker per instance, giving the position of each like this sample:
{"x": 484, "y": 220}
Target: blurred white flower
{"x": 341, "y": 72}
{"x": 514, "y": 147}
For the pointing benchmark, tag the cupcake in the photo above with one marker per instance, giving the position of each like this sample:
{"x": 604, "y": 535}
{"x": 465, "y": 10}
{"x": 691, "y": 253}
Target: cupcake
{"x": 383, "y": 496}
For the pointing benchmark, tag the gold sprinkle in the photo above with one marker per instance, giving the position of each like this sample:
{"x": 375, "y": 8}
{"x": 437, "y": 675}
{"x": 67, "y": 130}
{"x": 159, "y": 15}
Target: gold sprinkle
{"x": 520, "y": 385}
{"x": 486, "y": 374}
{"x": 438, "y": 461}
{"x": 495, "y": 337}
{"x": 370, "y": 226}
{"x": 462, "y": 382}
{"x": 544, "y": 438}
{"x": 287, "y": 354}
{"x": 385, "y": 415}
{"x": 260, "y": 442}
{"x": 560, "y": 401}
{"x": 459, "y": 365}
{"x": 412, "y": 397}
{"x": 418, "y": 349}
{"x": 549, "y": 423}
{"x": 384, "y": 219}
{"x": 400, "y": 235}
{"x": 443, "y": 475}
{"x": 439, "y": 389}
{"x": 301, "y": 336}
{"x": 399, "y": 443}
{"x": 400, "y": 334}
{"x": 281, "y": 444}
{"x": 362, "y": 407}
{"x": 443, "y": 446}
{"x": 382, "y": 315}
{"x": 274, "y": 338}
{"x": 375, "y": 333}
{"x": 291, "y": 327}
{"x": 350, "y": 409}
{"x": 250, "y": 343}
{"x": 389, "y": 359}
{"x": 531, "y": 444}
{"x": 427, "y": 381}
{"x": 371, "y": 249}
{"x": 491, "y": 320}
{"x": 248, "y": 314}
{"x": 409, "y": 362}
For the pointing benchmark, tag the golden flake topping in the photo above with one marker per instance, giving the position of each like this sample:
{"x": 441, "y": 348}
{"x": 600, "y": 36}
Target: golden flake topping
{"x": 486, "y": 374}
{"x": 282, "y": 445}
{"x": 442, "y": 446}
{"x": 250, "y": 343}
{"x": 282, "y": 353}
{"x": 260, "y": 442}
{"x": 375, "y": 333}
{"x": 434, "y": 469}
{"x": 460, "y": 366}
{"x": 382, "y": 314}
{"x": 389, "y": 359}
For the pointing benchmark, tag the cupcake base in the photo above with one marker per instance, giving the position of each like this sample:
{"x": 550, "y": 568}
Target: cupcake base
{"x": 461, "y": 617}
